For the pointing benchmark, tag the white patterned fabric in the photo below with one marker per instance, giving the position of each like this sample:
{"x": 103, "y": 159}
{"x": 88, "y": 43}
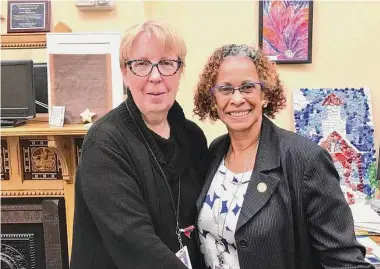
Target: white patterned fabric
{"x": 220, "y": 212}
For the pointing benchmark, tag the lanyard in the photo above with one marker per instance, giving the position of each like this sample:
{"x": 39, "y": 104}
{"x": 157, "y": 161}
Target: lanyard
{"x": 176, "y": 211}
{"x": 220, "y": 247}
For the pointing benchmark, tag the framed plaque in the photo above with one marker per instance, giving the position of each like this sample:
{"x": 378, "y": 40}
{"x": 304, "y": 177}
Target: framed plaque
{"x": 28, "y": 16}
{"x": 84, "y": 73}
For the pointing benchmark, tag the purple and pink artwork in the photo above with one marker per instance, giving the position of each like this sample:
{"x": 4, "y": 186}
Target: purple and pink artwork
{"x": 286, "y": 30}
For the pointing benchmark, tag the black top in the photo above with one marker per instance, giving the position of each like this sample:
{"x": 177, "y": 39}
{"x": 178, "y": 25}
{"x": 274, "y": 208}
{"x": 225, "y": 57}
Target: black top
{"x": 124, "y": 216}
{"x": 174, "y": 172}
{"x": 167, "y": 146}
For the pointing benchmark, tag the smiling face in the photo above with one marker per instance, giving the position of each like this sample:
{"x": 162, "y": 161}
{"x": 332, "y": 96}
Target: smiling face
{"x": 153, "y": 93}
{"x": 240, "y": 112}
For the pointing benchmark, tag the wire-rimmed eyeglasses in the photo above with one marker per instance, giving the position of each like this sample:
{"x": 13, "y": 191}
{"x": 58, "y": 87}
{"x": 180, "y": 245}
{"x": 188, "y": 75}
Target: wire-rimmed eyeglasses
{"x": 143, "y": 68}
{"x": 245, "y": 89}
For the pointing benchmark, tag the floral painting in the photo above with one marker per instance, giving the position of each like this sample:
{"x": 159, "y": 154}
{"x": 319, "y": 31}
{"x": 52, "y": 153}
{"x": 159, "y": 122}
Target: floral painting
{"x": 285, "y": 33}
{"x": 340, "y": 120}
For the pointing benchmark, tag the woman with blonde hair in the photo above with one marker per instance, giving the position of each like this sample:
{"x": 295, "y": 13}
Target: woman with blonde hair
{"x": 271, "y": 198}
{"x": 142, "y": 166}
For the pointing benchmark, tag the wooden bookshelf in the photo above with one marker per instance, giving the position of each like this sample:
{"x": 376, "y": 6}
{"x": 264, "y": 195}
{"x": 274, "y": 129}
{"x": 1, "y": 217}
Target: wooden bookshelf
{"x": 29, "y": 149}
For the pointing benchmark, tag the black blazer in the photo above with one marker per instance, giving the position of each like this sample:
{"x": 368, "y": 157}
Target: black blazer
{"x": 302, "y": 220}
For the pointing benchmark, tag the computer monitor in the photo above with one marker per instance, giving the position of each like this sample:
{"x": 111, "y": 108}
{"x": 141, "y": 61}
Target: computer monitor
{"x": 41, "y": 87}
{"x": 17, "y": 90}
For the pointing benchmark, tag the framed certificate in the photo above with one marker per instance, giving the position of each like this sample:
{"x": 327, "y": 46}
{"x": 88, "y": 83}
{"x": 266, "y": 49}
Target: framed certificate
{"x": 28, "y": 16}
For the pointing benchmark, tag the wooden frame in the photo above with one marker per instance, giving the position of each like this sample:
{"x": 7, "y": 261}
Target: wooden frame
{"x": 23, "y": 41}
{"x": 62, "y": 140}
{"x": 278, "y": 47}
{"x": 46, "y": 15}
{"x": 45, "y": 213}
{"x": 31, "y": 40}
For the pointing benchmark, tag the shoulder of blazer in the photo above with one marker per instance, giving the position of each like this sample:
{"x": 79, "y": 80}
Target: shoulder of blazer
{"x": 217, "y": 142}
{"x": 298, "y": 145}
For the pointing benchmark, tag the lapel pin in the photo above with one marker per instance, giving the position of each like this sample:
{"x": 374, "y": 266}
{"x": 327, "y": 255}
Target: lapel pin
{"x": 262, "y": 187}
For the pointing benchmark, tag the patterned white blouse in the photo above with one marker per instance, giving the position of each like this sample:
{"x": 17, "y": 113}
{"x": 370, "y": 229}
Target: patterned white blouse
{"x": 219, "y": 214}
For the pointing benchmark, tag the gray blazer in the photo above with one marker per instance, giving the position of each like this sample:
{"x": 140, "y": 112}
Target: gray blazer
{"x": 302, "y": 220}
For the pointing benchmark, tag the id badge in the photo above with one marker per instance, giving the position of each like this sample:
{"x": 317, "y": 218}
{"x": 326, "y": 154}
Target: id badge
{"x": 217, "y": 265}
{"x": 183, "y": 255}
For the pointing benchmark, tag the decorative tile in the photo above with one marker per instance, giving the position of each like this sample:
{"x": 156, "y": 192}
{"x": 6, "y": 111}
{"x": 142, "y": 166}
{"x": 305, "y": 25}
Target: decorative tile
{"x": 39, "y": 162}
{"x": 4, "y": 160}
{"x": 18, "y": 250}
{"x": 340, "y": 120}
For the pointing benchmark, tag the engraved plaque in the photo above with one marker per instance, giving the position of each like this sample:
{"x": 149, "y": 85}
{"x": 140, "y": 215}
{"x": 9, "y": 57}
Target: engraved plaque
{"x": 28, "y": 16}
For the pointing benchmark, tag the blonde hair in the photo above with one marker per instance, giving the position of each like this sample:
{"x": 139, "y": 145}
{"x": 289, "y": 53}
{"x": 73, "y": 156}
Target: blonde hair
{"x": 165, "y": 35}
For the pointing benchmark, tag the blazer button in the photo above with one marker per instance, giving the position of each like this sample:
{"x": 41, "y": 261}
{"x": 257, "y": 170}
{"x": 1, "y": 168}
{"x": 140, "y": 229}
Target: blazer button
{"x": 243, "y": 243}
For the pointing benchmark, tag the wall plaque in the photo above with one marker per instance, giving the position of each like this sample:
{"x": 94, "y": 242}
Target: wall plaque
{"x": 28, "y": 16}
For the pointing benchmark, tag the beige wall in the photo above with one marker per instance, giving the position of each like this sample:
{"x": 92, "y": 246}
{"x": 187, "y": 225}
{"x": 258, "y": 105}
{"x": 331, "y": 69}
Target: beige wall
{"x": 346, "y": 42}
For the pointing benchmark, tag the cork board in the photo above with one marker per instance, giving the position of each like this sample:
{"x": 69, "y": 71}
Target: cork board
{"x": 81, "y": 81}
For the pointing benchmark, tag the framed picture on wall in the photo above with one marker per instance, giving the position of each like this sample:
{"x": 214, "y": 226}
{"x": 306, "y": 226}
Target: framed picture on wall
{"x": 84, "y": 73}
{"x": 285, "y": 30}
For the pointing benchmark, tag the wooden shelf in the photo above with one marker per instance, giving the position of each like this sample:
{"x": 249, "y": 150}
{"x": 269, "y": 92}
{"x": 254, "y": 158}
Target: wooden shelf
{"x": 63, "y": 142}
{"x": 23, "y": 41}
{"x": 31, "y": 40}
{"x": 43, "y": 129}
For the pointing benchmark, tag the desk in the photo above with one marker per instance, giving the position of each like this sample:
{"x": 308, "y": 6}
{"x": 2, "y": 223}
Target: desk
{"x": 375, "y": 238}
{"x": 39, "y": 160}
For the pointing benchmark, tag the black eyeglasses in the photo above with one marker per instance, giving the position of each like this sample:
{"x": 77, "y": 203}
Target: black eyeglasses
{"x": 143, "y": 68}
{"x": 245, "y": 89}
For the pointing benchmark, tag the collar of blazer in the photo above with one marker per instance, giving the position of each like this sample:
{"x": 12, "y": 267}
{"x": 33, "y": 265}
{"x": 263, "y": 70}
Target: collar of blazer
{"x": 267, "y": 158}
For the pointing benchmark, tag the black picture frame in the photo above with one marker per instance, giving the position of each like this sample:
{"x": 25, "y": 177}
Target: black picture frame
{"x": 308, "y": 60}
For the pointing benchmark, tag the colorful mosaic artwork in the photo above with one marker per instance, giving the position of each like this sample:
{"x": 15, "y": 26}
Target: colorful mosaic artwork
{"x": 340, "y": 120}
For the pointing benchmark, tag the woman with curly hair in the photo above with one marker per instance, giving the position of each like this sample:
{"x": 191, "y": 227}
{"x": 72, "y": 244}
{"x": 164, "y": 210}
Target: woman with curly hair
{"x": 271, "y": 198}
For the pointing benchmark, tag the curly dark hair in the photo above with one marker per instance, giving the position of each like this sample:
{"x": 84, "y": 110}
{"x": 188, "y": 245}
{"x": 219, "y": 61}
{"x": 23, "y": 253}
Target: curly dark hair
{"x": 273, "y": 89}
